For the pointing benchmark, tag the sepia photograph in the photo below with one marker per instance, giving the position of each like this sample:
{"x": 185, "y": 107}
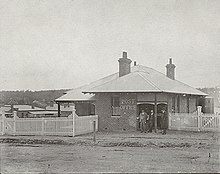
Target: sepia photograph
{"x": 109, "y": 86}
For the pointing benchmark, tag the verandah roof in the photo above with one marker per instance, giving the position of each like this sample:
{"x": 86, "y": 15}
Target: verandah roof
{"x": 77, "y": 95}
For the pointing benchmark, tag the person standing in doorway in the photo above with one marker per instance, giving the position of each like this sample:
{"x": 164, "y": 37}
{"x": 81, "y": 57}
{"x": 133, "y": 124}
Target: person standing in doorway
{"x": 151, "y": 120}
{"x": 164, "y": 124}
{"x": 143, "y": 120}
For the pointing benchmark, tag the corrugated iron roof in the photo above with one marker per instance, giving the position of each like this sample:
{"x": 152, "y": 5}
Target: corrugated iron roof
{"x": 26, "y": 107}
{"x": 144, "y": 79}
{"x": 62, "y": 108}
{"x": 76, "y": 95}
{"x": 5, "y": 108}
{"x": 141, "y": 79}
{"x": 42, "y": 112}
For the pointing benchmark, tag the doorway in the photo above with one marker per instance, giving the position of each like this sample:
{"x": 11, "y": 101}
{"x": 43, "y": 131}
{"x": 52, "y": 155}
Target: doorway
{"x": 160, "y": 107}
{"x": 147, "y": 107}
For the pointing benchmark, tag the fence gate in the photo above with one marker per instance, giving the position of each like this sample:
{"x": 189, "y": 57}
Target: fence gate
{"x": 209, "y": 122}
{"x": 9, "y": 126}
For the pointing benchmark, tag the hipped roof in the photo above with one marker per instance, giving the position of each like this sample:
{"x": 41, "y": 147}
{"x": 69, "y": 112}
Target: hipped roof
{"x": 77, "y": 95}
{"x": 141, "y": 79}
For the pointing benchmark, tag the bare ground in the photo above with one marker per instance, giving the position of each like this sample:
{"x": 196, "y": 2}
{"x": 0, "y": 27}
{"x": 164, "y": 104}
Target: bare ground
{"x": 177, "y": 151}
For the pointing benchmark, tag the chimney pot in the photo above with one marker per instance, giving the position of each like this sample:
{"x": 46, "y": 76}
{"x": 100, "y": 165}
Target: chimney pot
{"x": 135, "y": 63}
{"x": 124, "y": 55}
{"x": 170, "y": 60}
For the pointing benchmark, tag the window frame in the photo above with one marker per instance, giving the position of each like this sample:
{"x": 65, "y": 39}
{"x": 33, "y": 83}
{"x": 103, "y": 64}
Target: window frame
{"x": 115, "y": 106}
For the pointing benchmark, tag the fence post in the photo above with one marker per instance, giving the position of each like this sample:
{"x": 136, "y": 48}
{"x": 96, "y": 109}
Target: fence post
{"x": 14, "y": 117}
{"x": 199, "y": 112}
{"x": 73, "y": 113}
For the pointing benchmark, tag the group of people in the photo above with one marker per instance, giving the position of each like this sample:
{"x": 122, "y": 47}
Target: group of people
{"x": 147, "y": 120}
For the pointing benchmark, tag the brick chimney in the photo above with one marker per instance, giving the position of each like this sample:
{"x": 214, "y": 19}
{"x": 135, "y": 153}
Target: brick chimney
{"x": 171, "y": 70}
{"x": 124, "y": 65}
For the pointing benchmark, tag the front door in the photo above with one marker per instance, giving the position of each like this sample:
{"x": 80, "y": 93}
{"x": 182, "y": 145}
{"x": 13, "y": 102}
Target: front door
{"x": 147, "y": 107}
{"x": 160, "y": 107}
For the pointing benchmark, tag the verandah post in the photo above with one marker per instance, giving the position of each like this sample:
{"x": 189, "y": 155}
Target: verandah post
{"x": 155, "y": 113}
{"x": 58, "y": 104}
{"x": 94, "y": 131}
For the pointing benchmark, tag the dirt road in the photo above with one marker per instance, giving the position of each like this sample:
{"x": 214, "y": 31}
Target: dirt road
{"x": 112, "y": 152}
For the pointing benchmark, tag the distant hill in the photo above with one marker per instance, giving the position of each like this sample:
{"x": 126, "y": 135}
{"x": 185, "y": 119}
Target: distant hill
{"x": 28, "y": 97}
{"x": 213, "y": 92}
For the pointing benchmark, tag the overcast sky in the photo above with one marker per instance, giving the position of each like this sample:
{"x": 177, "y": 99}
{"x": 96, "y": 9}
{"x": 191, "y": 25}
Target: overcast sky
{"x": 54, "y": 44}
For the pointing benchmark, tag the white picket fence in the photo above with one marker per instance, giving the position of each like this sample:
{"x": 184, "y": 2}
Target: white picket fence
{"x": 63, "y": 126}
{"x": 194, "y": 122}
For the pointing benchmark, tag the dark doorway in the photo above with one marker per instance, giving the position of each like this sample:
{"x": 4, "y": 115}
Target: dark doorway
{"x": 147, "y": 107}
{"x": 160, "y": 107}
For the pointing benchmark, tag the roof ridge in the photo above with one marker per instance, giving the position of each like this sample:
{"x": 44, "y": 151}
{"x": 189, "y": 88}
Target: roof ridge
{"x": 88, "y": 84}
{"x": 148, "y": 81}
{"x": 84, "y": 90}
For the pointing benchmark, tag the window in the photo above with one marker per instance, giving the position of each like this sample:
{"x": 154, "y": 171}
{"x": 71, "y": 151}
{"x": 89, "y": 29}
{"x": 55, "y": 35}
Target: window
{"x": 115, "y": 106}
{"x": 92, "y": 109}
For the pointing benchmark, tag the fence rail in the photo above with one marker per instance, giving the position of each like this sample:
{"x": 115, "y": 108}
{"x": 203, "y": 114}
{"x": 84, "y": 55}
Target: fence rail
{"x": 68, "y": 126}
{"x": 194, "y": 122}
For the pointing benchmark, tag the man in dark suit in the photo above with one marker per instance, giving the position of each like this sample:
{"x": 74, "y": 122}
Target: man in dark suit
{"x": 164, "y": 124}
{"x": 143, "y": 117}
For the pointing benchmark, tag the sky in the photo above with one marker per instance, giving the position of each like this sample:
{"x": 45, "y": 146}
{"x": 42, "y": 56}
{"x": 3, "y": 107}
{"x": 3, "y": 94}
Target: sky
{"x": 57, "y": 44}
